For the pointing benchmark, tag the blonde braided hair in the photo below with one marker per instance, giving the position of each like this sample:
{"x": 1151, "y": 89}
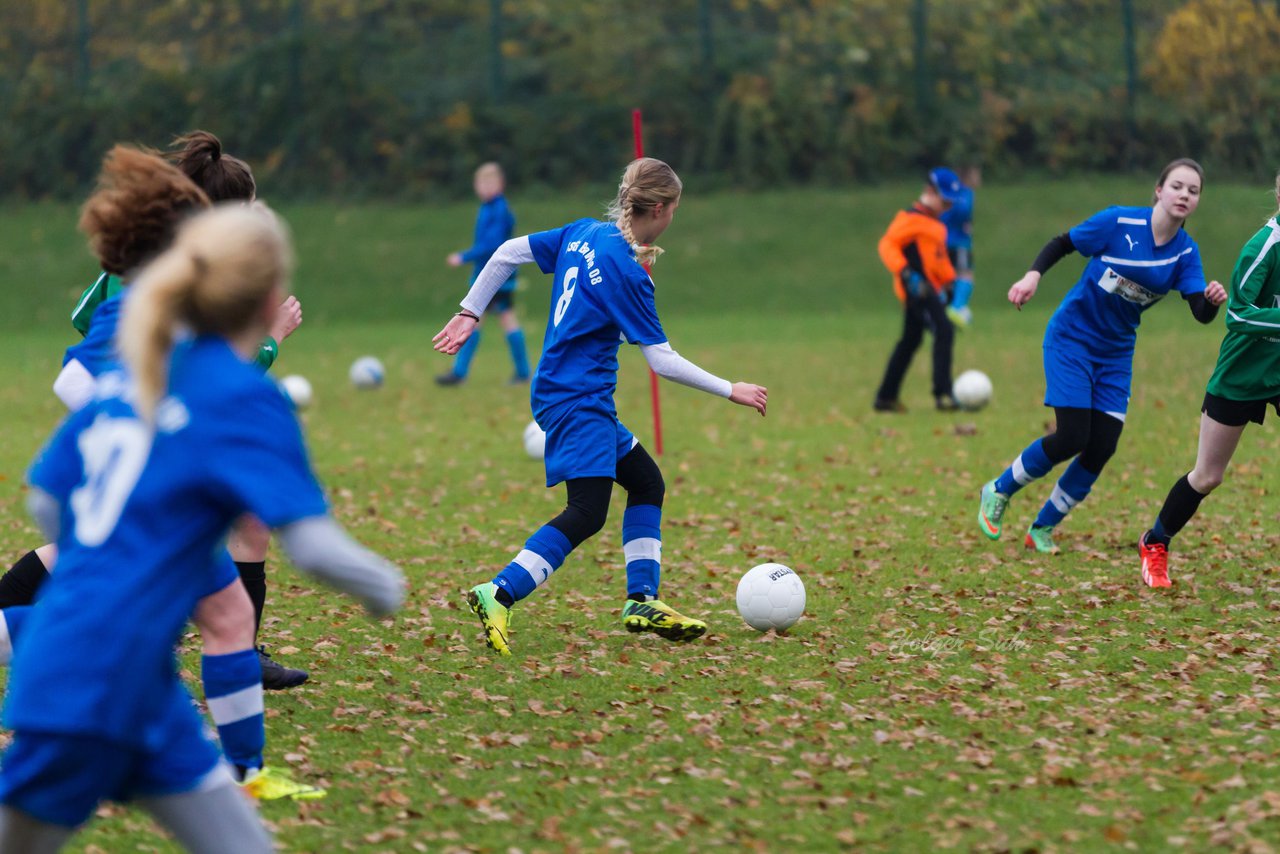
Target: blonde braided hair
{"x": 646, "y": 183}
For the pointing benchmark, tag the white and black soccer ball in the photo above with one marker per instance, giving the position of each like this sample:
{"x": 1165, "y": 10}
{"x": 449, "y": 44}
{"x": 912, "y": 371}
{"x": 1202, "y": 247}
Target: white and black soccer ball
{"x": 972, "y": 390}
{"x": 366, "y": 372}
{"x": 297, "y": 389}
{"x": 771, "y": 596}
{"x": 535, "y": 441}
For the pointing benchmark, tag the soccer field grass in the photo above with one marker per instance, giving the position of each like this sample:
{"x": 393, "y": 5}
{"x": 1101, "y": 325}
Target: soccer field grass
{"x": 941, "y": 691}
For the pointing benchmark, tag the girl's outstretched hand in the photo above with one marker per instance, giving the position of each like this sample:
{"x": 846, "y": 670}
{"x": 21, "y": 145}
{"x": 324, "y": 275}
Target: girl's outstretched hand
{"x": 1024, "y": 289}
{"x": 455, "y": 333}
{"x": 747, "y": 394}
{"x": 1215, "y": 293}
{"x": 288, "y": 318}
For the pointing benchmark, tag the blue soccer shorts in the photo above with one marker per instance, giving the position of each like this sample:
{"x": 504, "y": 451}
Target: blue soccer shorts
{"x": 1075, "y": 379}
{"x": 585, "y": 440}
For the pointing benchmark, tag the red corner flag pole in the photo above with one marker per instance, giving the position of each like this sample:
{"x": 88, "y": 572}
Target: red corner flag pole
{"x": 637, "y": 131}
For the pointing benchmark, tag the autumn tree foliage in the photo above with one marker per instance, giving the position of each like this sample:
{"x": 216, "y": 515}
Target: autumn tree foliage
{"x": 403, "y": 97}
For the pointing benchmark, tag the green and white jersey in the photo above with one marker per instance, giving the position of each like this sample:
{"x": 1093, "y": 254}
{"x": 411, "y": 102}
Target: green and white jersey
{"x": 95, "y": 295}
{"x": 1249, "y": 361}
{"x": 108, "y": 286}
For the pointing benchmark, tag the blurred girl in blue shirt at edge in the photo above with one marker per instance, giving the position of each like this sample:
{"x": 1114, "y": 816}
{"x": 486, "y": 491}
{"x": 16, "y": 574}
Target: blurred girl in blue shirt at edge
{"x": 138, "y": 489}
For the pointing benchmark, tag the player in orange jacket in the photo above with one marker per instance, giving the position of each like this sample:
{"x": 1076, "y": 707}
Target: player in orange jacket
{"x": 914, "y": 248}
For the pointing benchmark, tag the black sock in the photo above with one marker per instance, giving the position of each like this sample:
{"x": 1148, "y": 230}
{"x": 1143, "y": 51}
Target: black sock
{"x": 18, "y": 586}
{"x": 253, "y": 574}
{"x": 637, "y": 597}
{"x": 1181, "y": 504}
{"x": 504, "y": 598}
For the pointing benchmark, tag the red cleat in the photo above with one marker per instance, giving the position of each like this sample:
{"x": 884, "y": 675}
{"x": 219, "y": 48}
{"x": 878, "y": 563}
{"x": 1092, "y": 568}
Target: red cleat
{"x": 1155, "y": 563}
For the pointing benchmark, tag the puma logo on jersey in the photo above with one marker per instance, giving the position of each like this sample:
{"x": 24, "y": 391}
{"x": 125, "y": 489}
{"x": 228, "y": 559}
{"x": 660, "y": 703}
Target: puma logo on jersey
{"x": 1132, "y": 242}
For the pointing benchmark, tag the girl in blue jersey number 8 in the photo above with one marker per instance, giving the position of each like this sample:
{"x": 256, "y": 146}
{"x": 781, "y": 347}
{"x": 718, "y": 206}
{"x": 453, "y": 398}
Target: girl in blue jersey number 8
{"x": 139, "y": 489}
{"x": 600, "y": 295}
{"x": 1137, "y": 256}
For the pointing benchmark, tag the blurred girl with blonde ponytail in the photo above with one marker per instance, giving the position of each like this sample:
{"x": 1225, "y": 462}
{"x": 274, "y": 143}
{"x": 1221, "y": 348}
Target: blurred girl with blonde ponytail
{"x": 601, "y": 294}
{"x": 139, "y": 489}
{"x": 132, "y": 217}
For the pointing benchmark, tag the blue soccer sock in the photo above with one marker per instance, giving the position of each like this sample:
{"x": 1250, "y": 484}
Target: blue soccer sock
{"x": 642, "y": 546}
{"x": 1031, "y": 464}
{"x": 543, "y": 554}
{"x": 961, "y": 292}
{"x": 519, "y": 353}
{"x": 233, "y": 692}
{"x": 462, "y": 364}
{"x": 11, "y": 622}
{"x": 1072, "y": 488}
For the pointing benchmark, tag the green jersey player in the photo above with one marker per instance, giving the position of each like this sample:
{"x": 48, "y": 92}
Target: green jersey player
{"x": 1245, "y": 381}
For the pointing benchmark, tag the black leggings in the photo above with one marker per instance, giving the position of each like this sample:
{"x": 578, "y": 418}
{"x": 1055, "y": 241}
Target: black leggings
{"x": 1088, "y": 433}
{"x": 588, "y": 505}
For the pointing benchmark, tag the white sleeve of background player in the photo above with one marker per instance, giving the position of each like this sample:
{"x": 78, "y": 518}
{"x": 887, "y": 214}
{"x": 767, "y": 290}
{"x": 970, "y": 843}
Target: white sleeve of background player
{"x": 504, "y": 262}
{"x": 318, "y": 546}
{"x": 44, "y": 508}
{"x": 74, "y": 385}
{"x": 669, "y": 364}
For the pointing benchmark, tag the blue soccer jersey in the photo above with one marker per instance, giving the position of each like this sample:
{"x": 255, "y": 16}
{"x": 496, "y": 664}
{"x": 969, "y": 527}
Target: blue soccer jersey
{"x": 144, "y": 517}
{"x": 1126, "y": 274}
{"x": 97, "y": 351}
{"x": 959, "y": 221}
{"x": 600, "y": 297}
{"x": 494, "y": 226}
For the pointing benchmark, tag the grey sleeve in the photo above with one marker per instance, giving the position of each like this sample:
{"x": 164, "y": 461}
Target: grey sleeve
{"x": 44, "y": 508}
{"x": 318, "y": 546}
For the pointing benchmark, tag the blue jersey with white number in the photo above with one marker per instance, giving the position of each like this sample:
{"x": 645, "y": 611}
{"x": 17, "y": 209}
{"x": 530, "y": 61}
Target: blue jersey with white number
{"x": 144, "y": 517}
{"x": 1126, "y": 275}
{"x": 600, "y": 297}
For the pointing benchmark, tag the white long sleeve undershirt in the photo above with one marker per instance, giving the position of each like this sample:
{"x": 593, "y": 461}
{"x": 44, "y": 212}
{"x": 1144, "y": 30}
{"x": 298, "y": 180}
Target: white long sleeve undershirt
{"x": 669, "y": 364}
{"x": 499, "y": 268}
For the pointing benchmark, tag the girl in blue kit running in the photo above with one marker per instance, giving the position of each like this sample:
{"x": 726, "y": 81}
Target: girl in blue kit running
{"x": 1137, "y": 256}
{"x": 601, "y": 295}
{"x": 138, "y": 490}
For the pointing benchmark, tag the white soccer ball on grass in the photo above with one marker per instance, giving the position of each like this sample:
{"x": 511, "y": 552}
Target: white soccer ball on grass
{"x": 972, "y": 390}
{"x": 535, "y": 441}
{"x": 298, "y": 390}
{"x": 771, "y": 596}
{"x": 366, "y": 372}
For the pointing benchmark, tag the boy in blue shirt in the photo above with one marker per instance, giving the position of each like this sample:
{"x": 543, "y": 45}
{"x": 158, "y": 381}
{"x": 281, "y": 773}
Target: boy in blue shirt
{"x": 495, "y": 224}
{"x": 959, "y": 222}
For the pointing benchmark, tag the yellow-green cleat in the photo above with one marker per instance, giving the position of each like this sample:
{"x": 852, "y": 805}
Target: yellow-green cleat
{"x": 271, "y": 784}
{"x": 495, "y": 617}
{"x": 660, "y": 618}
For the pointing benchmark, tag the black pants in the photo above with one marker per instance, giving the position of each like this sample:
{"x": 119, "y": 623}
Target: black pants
{"x": 588, "y": 497}
{"x": 926, "y": 312}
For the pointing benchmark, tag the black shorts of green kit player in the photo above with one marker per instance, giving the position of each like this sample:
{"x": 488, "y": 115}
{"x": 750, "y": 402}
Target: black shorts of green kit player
{"x": 1237, "y": 413}
{"x": 502, "y": 301}
{"x": 961, "y": 258}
